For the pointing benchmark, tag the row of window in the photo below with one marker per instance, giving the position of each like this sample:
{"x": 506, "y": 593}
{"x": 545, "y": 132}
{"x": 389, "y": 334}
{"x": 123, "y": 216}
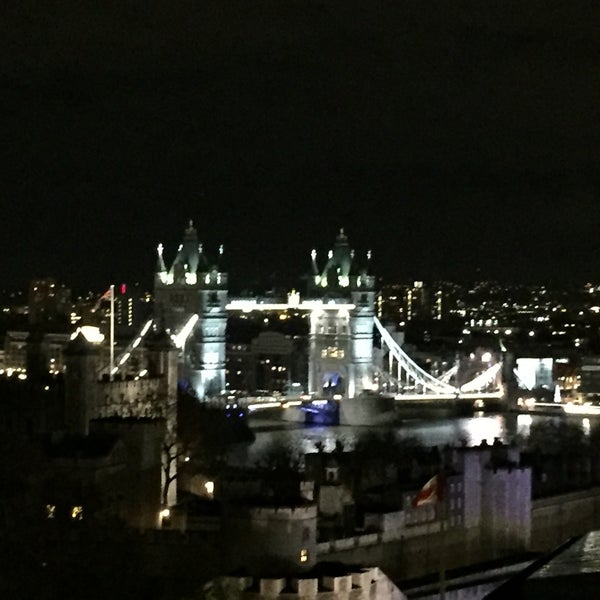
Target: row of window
{"x": 332, "y": 329}
{"x": 76, "y": 512}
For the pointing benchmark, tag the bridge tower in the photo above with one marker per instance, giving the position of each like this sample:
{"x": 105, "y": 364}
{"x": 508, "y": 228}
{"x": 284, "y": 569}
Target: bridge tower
{"x": 193, "y": 291}
{"x": 341, "y": 324}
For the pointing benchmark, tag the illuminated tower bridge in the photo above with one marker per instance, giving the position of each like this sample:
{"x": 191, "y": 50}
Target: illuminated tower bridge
{"x": 191, "y": 298}
{"x": 191, "y": 301}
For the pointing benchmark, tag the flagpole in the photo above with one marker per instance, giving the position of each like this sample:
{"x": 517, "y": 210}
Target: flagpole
{"x": 112, "y": 330}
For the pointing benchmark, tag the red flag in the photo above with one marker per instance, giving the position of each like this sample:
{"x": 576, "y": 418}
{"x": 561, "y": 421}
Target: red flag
{"x": 106, "y": 296}
{"x": 431, "y": 493}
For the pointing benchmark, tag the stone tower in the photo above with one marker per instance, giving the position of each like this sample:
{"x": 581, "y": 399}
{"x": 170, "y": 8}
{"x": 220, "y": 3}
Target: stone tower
{"x": 162, "y": 366}
{"x": 81, "y": 384}
{"x": 341, "y": 324}
{"x": 193, "y": 292}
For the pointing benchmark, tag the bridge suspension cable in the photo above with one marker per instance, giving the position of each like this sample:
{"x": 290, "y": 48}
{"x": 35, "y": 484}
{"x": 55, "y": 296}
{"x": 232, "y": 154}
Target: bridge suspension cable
{"x": 429, "y": 383}
{"x": 483, "y": 380}
{"x": 180, "y": 338}
{"x": 126, "y": 354}
{"x": 449, "y": 374}
{"x": 413, "y": 370}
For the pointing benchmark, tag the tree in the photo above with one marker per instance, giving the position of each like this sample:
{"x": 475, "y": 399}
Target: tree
{"x": 280, "y": 470}
{"x": 557, "y": 438}
{"x": 21, "y": 511}
{"x": 172, "y": 452}
{"x": 201, "y": 439}
{"x": 559, "y": 454}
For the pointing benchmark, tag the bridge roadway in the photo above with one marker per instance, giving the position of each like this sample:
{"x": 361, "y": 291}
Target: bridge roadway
{"x": 438, "y": 390}
{"x": 259, "y": 403}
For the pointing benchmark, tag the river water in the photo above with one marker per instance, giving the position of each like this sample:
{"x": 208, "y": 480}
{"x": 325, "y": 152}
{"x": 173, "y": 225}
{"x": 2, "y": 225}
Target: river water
{"x": 430, "y": 432}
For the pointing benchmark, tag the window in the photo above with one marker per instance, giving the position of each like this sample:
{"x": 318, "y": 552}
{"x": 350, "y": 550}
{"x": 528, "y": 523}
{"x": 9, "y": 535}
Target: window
{"x": 303, "y": 555}
{"x": 77, "y": 513}
{"x": 209, "y": 486}
{"x": 51, "y": 511}
{"x": 332, "y": 352}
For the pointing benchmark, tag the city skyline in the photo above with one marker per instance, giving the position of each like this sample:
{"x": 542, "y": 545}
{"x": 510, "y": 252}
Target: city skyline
{"x": 456, "y": 143}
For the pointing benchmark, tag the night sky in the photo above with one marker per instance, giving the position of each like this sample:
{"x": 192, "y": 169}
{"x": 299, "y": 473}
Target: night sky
{"x": 457, "y": 140}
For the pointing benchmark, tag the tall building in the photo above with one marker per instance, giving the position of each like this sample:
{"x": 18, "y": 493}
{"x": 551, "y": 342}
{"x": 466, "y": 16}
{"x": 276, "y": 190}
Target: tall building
{"x": 132, "y": 307}
{"x": 192, "y": 293}
{"x": 399, "y": 303}
{"x": 48, "y": 302}
{"x": 341, "y": 324}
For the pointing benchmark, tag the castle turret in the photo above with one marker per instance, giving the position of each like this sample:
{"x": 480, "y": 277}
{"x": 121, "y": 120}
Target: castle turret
{"x": 163, "y": 365}
{"x": 266, "y": 538}
{"x": 81, "y": 366}
{"x": 37, "y": 354}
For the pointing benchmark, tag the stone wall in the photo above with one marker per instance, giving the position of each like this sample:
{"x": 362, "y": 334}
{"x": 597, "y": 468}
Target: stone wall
{"x": 417, "y": 551}
{"x": 555, "y": 519}
{"x": 414, "y": 556}
{"x": 359, "y": 584}
{"x": 130, "y": 398}
{"x": 268, "y": 537}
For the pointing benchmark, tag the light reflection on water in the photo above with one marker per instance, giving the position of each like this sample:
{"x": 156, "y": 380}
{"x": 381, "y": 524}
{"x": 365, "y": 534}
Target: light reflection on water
{"x": 431, "y": 432}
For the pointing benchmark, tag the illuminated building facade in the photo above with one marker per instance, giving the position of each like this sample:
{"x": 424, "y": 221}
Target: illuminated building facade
{"x": 399, "y": 303}
{"x": 132, "y": 308}
{"x": 193, "y": 293}
{"x": 341, "y": 325}
{"x": 48, "y": 302}
{"x": 271, "y": 361}
{"x": 191, "y": 298}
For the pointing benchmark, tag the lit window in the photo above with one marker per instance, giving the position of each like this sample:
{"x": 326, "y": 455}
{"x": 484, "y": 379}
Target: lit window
{"x": 51, "y": 511}
{"x": 77, "y": 513}
{"x": 303, "y": 555}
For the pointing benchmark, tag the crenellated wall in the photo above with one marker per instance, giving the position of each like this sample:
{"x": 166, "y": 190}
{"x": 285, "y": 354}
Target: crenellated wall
{"x": 130, "y": 398}
{"x": 361, "y": 584}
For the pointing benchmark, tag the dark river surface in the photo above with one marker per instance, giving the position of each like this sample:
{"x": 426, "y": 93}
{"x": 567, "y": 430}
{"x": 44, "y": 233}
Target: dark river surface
{"x": 430, "y": 432}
